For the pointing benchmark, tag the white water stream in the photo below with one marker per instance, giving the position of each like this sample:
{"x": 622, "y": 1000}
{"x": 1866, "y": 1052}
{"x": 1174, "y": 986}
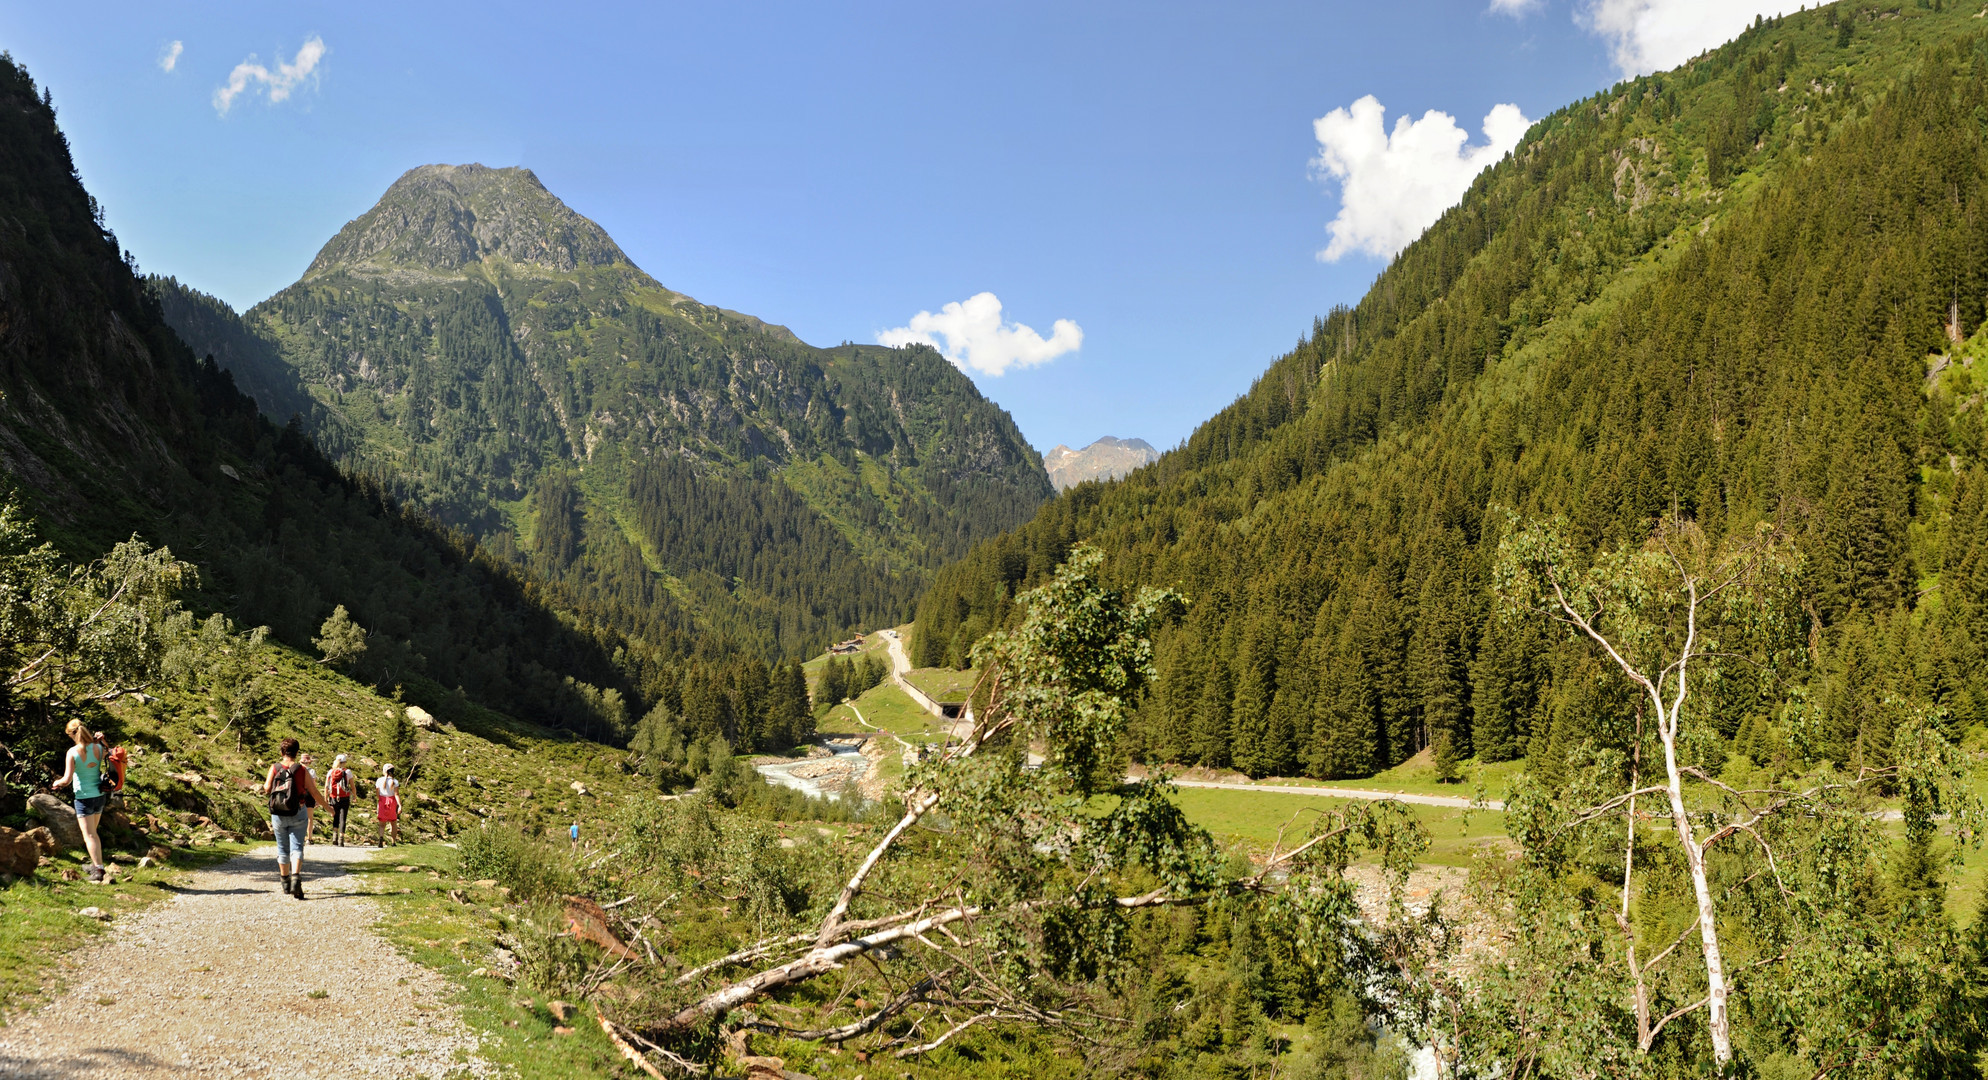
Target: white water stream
{"x": 847, "y": 752}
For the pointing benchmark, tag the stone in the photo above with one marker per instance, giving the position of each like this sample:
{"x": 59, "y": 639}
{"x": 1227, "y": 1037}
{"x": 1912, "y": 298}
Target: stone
{"x": 43, "y": 839}
{"x": 159, "y": 854}
{"x": 59, "y": 818}
{"x": 560, "y": 1010}
{"x": 562, "y": 1030}
{"x": 485, "y": 883}
{"x": 145, "y": 863}
{"x": 94, "y": 913}
{"x": 421, "y": 718}
{"x": 578, "y": 788}
{"x": 19, "y": 854}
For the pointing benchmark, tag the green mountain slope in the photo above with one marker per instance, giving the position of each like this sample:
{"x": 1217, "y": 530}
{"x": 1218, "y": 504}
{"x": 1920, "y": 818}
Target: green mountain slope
{"x": 1747, "y": 289}
{"x": 498, "y": 361}
{"x": 110, "y": 427}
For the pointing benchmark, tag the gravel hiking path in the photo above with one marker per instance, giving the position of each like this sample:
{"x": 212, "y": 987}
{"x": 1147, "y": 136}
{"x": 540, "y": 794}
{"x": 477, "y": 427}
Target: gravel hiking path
{"x": 218, "y": 981}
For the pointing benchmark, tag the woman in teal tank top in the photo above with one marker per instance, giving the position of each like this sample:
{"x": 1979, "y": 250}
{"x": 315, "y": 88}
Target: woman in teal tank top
{"x": 83, "y": 767}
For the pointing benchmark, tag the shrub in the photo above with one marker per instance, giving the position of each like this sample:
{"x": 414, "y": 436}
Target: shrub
{"x": 531, "y": 869}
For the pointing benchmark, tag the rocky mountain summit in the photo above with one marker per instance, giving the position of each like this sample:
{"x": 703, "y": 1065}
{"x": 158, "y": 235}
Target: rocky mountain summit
{"x": 441, "y": 218}
{"x": 1106, "y": 459}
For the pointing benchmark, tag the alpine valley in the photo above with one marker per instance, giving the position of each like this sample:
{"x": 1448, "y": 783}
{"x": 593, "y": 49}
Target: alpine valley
{"x": 1569, "y": 661}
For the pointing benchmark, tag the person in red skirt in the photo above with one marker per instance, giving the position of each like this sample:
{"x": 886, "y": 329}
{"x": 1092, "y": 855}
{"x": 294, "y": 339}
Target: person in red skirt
{"x": 387, "y": 811}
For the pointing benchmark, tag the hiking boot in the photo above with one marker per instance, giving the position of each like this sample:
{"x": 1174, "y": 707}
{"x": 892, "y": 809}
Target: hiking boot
{"x": 297, "y": 886}
{"x": 97, "y": 874}
{"x": 286, "y": 884}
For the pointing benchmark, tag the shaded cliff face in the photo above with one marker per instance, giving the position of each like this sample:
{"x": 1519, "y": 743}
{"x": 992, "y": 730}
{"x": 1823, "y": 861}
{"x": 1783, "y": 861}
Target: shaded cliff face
{"x": 496, "y": 358}
{"x": 1106, "y": 459}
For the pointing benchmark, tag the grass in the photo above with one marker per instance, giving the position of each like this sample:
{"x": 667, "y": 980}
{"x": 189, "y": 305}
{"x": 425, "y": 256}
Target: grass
{"x": 943, "y": 684}
{"x": 522, "y": 773}
{"x": 455, "y": 940}
{"x": 1454, "y": 835}
{"x": 39, "y": 920}
{"x": 886, "y": 707}
{"x": 873, "y": 642}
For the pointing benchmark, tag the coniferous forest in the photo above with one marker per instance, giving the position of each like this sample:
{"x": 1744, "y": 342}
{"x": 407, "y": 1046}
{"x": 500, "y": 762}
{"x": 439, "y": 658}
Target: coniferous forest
{"x": 1751, "y": 289}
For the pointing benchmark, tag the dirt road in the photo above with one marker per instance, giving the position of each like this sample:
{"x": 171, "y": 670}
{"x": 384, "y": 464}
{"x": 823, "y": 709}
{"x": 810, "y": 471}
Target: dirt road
{"x": 231, "y": 978}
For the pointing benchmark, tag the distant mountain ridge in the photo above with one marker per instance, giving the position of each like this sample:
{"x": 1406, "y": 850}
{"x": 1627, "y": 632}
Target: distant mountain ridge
{"x": 496, "y": 358}
{"x": 1106, "y": 459}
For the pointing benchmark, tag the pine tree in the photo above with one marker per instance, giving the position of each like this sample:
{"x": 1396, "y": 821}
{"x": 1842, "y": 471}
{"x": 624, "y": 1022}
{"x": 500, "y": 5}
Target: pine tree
{"x": 1254, "y": 747}
{"x": 1211, "y": 714}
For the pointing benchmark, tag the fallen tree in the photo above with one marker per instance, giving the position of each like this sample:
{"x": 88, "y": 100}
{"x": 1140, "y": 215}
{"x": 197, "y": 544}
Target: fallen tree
{"x": 1001, "y": 893}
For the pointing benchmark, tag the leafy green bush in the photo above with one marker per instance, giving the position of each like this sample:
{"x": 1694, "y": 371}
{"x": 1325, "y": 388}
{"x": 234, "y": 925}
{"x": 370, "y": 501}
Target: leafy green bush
{"x": 531, "y": 869}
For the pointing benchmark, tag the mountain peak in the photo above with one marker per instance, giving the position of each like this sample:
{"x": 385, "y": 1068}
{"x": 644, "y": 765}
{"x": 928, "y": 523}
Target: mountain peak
{"x": 1106, "y": 459}
{"x": 444, "y": 218}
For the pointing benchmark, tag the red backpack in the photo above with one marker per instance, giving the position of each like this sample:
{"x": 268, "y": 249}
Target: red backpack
{"x": 111, "y": 763}
{"x": 339, "y": 783}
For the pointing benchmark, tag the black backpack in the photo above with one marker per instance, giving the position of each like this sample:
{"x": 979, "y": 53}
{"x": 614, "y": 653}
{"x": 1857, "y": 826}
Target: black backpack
{"x": 284, "y": 798}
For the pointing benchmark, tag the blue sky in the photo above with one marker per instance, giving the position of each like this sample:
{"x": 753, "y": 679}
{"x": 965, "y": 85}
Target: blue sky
{"x": 1150, "y": 173}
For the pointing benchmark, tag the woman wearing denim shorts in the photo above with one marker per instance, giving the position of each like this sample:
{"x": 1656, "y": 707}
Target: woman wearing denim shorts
{"x": 83, "y": 766}
{"x": 291, "y": 829}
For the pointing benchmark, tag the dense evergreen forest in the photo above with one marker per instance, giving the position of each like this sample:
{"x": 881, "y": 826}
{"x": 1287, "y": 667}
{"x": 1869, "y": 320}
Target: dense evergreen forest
{"x": 110, "y": 427}
{"x": 494, "y": 359}
{"x": 1749, "y": 289}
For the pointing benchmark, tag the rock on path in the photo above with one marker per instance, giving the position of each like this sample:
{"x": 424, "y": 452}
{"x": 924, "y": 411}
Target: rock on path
{"x": 217, "y": 981}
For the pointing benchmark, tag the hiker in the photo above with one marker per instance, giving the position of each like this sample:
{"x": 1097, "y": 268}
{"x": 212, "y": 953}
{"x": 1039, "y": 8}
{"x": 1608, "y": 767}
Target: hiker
{"x": 83, "y": 766}
{"x": 292, "y": 792}
{"x": 339, "y": 783}
{"x": 387, "y": 811}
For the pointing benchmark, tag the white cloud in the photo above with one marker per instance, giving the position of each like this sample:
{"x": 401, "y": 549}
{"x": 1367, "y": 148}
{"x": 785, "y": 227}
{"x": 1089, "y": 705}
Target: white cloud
{"x": 1393, "y": 186}
{"x": 169, "y": 56}
{"x": 1517, "y": 9}
{"x": 1652, "y": 35}
{"x": 977, "y": 338}
{"x": 276, "y": 84}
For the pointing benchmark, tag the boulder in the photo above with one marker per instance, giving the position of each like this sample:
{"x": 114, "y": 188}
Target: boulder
{"x": 421, "y": 718}
{"x": 19, "y": 854}
{"x": 59, "y": 818}
{"x": 43, "y": 839}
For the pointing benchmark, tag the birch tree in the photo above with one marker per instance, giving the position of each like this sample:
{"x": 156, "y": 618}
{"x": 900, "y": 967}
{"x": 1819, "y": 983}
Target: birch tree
{"x": 1782, "y": 882}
